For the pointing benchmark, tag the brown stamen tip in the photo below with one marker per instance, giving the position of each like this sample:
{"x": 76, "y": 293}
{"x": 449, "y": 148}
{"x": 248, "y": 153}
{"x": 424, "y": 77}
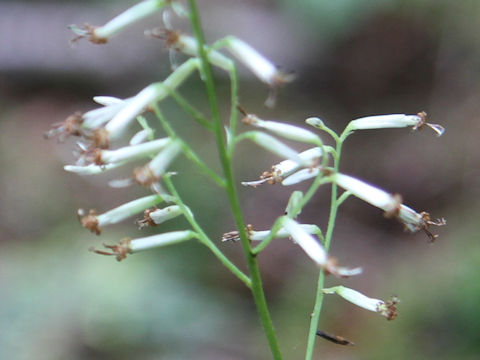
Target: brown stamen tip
{"x": 390, "y": 308}
{"x": 428, "y": 222}
{"x": 89, "y": 221}
{"x": 88, "y": 32}
{"x": 423, "y": 120}
{"x": 144, "y": 176}
{"x": 71, "y": 126}
{"x": 147, "y": 220}
{"x": 120, "y": 250}
{"x": 101, "y": 139}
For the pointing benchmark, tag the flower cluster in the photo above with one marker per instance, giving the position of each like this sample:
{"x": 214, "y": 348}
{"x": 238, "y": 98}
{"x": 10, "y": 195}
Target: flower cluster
{"x": 106, "y": 142}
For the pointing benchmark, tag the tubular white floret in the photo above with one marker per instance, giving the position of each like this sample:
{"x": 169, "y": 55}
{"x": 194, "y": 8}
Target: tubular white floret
{"x": 94, "y": 222}
{"x": 160, "y": 163}
{"x": 309, "y": 158}
{"x": 367, "y": 192}
{"x": 141, "y": 136}
{"x": 282, "y": 233}
{"x": 287, "y": 131}
{"x": 91, "y": 169}
{"x": 127, "y": 210}
{"x": 263, "y": 68}
{"x": 391, "y": 204}
{"x": 301, "y": 175}
{"x": 150, "y": 95}
{"x": 315, "y": 250}
{"x": 101, "y": 34}
{"x": 159, "y": 216}
{"x": 311, "y": 246}
{"x": 133, "y": 152}
{"x": 96, "y": 118}
{"x": 168, "y": 238}
{"x": 417, "y": 121}
{"x": 275, "y": 146}
{"x": 385, "y": 308}
{"x": 129, "y": 246}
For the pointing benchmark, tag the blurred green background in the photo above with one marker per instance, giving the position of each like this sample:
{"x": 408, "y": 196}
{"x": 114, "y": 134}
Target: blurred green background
{"x": 352, "y": 58}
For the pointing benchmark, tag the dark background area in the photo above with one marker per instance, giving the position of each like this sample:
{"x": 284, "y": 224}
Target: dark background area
{"x": 351, "y": 59}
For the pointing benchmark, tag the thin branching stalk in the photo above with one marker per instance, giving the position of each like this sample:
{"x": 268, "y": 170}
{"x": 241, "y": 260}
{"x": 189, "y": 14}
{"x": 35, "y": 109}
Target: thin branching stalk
{"x": 257, "y": 288}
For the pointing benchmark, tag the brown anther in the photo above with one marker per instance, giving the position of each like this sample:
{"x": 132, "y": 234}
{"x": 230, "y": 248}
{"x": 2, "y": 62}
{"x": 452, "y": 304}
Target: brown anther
{"x": 394, "y": 207}
{"x": 147, "y": 220}
{"x": 423, "y": 120}
{"x": 144, "y": 176}
{"x": 101, "y": 139}
{"x": 427, "y": 222}
{"x": 389, "y": 308}
{"x": 89, "y": 221}
{"x": 71, "y": 126}
{"x": 90, "y": 34}
{"x": 120, "y": 250}
{"x": 97, "y": 156}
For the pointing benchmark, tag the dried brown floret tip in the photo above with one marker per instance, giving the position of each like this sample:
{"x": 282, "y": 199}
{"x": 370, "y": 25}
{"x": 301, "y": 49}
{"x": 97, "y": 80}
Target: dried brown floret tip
{"x": 89, "y": 221}
{"x": 389, "y": 308}
{"x": 427, "y": 222}
{"x": 87, "y": 31}
{"x": 147, "y": 220}
{"x": 71, "y": 126}
{"x": 120, "y": 251}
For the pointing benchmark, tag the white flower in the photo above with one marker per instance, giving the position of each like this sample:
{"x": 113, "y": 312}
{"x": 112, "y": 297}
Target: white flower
{"x": 287, "y": 131}
{"x": 301, "y": 175}
{"x": 100, "y": 35}
{"x": 92, "y": 169}
{"x": 96, "y": 118}
{"x": 153, "y": 93}
{"x": 315, "y": 250}
{"x": 131, "y": 153}
{"x": 159, "y": 216}
{"x": 141, "y": 136}
{"x": 308, "y": 158}
{"x": 391, "y": 204}
{"x": 152, "y": 172}
{"x": 371, "y": 194}
{"x": 385, "y": 308}
{"x": 130, "y": 246}
{"x": 275, "y": 146}
{"x": 394, "y": 121}
{"x": 263, "y": 68}
{"x": 95, "y": 222}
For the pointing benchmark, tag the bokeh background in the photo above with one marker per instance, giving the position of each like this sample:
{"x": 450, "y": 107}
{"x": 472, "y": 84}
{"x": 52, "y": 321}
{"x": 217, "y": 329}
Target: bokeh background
{"x": 351, "y": 58}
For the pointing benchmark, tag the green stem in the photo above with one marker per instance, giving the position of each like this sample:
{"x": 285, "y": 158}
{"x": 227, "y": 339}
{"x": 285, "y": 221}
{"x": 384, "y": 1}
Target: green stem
{"x": 187, "y": 150}
{"x": 334, "y": 204}
{"x": 189, "y": 109}
{"x": 203, "y": 237}
{"x": 257, "y": 288}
